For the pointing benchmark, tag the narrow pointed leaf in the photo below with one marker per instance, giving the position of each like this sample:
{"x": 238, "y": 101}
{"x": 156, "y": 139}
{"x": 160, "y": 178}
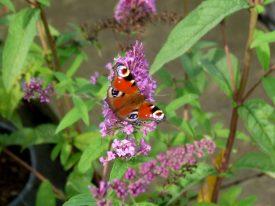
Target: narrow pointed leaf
{"x": 21, "y": 33}
{"x": 189, "y": 30}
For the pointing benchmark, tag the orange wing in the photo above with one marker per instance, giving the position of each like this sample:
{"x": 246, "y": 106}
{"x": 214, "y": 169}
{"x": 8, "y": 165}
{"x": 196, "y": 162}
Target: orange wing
{"x": 125, "y": 100}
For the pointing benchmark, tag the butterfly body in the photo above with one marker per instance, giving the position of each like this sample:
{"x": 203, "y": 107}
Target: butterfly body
{"x": 126, "y": 101}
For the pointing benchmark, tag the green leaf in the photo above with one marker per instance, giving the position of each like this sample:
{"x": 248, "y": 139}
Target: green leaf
{"x": 70, "y": 118}
{"x": 255, "y": 160}
{"x": 229, "y": 197}
{"x": 78, "y": 182}
{"x": 215, "y": 63}
{"x": 76, "y": 64}
{"x": 56, "y": 150}
{"x": 91, "y": 153}
{"x": 83, "y": 140}
{"x": 263, "y": 38}
{"x": 73, "y": 159}
{"x": 268, "y": 1}
{"x": 20, "y": 37}
{"x": 189, "y": 30}
{"x": 263, "y": 52}
{"x": 11, "y": 100}
{"x": 248, "y": 201}
{"x": 73, "y": 116}
{"x": 191, "y": 178}
{"x": 118, "y": 169}
{"x": 269, "y": 85}
{"x": 179, "y": 102}
{"x": 101, "y": 94}
{"x": 81, "y": 200}
{"x": 218, "y": 76}
{"x": 8, "y": 4}
{"x": 65, "y": 152}
{"x": 30, "y": 136}
{"x": 82, "y": 109}
{"x": 45, "y": 194}
{"x": 145, "y": 204}
{"x": 257, "y": 116}
{"x": 44, "y": 2}
{"x": 205, "y": 204}
{"x": 203, "y": 170}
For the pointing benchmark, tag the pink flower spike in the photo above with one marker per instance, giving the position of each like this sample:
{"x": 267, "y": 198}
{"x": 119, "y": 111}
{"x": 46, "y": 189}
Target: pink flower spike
{"x": 110, "y": 155}
{"x": 120, "y": 188}
{"x": 137, "y": 188}
{"x": 93, "y": 78}
{"x": 148, "y": 127}
{"x": 145, "y": 148}
{"x": 103, "y": 160}
{"x": 130, "y": 174}
{"x": 128, "y": 129}
{"x": 101, "y": 191}
{"x": 127, "y": 9}
{"x": 34, "y": 90}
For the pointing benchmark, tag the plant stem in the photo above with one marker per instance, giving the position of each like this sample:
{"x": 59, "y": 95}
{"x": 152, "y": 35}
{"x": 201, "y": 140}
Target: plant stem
{"x": 251, "y": 90}
{"x": 47, "y": 41}
{"x": 237, "y": 98}
{"x": 50, "y": 40}
{"x": 248, "y": 52}
{"x": 106, "y": 166}
{"x": 236, "y": 182}
{"x": 39, "y": 176}
{"x": 172, "y": 200}
{"x": 185, "y": 7}
{"x": 227, "y": 53}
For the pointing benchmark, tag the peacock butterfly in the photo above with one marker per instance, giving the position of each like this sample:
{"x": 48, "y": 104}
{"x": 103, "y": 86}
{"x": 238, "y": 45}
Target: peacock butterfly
{"x": 126, "y": 101}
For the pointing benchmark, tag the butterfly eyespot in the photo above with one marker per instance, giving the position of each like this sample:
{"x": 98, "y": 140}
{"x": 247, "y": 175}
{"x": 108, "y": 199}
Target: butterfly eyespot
{"x": 122, "y": 70}
{"x": 158, "y": 115}
{"x": 114, "y": 93}
{"x": 133, "y": 116}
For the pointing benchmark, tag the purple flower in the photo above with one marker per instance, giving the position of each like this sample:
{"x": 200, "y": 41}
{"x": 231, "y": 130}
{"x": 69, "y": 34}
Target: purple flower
{"x": 130, "y": 174}
{"x": 120, "y": 188}
{"x": 137, "y": 187}
{"x": 161, "y": 171}
{"x": 93, "y": 78}
{"x": 147, "y": 170}
{"x": 126, "y": 148}
{"x": 110, "y": 120}
{"x": 145, "y": 148}
{"x": 166, "y": 165}
{"x": 110, "y": 156}
{"x": 128, "y": 129}
{"x": 148, "y": 127}
{"x": 109, "y": 67}
{"x": 35, "y": 90}
{"x": 135, "y": 60}
{"x": 129, "y": 10}
{"x": 101, "y": 191}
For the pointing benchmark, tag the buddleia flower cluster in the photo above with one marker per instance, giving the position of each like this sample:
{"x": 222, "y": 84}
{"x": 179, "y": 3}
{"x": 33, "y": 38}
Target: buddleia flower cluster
{"x": 126, "y": 149}
{"x": 35, "y": 90}
{"x": 94, "y": 78}
{"x": 175, "y": 162}
{"x": 133, "y": 11}
{"x": 135, "y": 60}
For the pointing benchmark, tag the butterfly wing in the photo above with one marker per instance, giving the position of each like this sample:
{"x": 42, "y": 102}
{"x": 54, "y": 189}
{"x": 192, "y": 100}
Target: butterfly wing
{"x": 125, "y": 106}
{"x": 123, "y": 80}
{"x": 125, "y": 100}
{"x": 148, "y": 111}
